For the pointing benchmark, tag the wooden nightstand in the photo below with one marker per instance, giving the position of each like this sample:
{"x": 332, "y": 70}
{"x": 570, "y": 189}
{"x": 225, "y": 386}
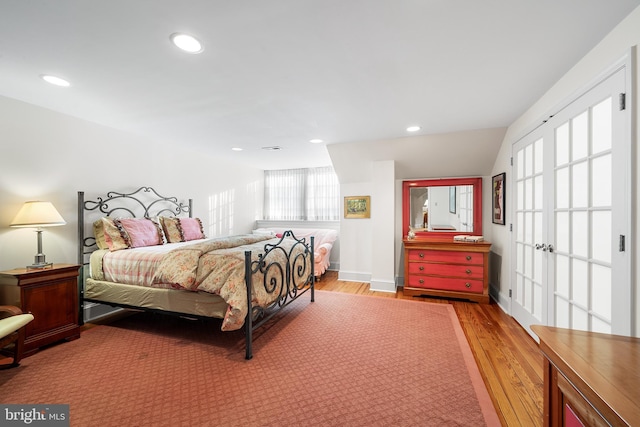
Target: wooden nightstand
{"x": 590, "y": 379}
{"x": 51, "y": 295}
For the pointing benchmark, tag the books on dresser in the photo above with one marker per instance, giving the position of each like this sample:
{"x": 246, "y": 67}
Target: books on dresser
{"x": 467, "y": 238}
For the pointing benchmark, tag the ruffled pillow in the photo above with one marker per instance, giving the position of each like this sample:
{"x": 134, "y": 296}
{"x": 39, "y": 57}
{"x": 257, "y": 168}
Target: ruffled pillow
{"x": 125, "y": 233}
{"x": 99, "y": 234}
{"x": 182, "y": 229}
{"x": 114, "y": 239}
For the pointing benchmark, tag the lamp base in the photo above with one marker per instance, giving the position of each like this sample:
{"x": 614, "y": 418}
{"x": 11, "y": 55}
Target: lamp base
{"x": 40, "y": 266}
{"x": 40, "y": 260}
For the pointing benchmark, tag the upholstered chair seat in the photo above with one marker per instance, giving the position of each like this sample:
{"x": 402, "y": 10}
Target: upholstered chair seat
{"x": 12, "y": 331}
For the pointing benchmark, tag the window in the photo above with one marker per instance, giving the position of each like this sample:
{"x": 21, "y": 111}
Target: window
{"x": 302, "y": 194}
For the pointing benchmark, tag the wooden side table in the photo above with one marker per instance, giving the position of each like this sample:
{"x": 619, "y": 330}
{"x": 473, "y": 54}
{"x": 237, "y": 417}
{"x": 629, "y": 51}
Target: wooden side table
{"x": 51, "y": 295}
{"x": 590, "y": 379}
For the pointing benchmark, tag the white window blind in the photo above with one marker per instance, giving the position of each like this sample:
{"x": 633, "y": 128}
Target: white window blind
{"x": 311, "y": 194}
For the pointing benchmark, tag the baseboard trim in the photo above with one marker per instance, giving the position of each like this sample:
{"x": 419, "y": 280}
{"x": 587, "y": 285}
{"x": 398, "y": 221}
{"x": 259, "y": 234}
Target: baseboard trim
{"x": 353, "y": 276}
{"x": 503, "y": 302}
{"x": 382, "y": 286}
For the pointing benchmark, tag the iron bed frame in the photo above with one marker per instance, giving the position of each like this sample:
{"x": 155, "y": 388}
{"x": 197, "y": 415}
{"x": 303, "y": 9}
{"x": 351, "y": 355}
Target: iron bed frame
{"x": 289, "y": 281}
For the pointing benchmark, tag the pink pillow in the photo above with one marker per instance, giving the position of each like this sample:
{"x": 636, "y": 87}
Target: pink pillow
{"x": 191, "y": 229}
{"x": 182, "y": 229}
{"x": 141, "y": 231}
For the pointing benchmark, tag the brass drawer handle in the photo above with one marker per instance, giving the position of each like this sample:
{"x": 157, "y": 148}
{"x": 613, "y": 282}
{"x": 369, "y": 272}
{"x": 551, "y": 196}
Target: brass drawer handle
{"x": 421, "y": 255}
{"x": 421, "y": 268}
{"x": 468, "y": 271}
{"x": 468, "y": 257}
{"x": 468, "y": 285}
{"x": 421, "y": 281}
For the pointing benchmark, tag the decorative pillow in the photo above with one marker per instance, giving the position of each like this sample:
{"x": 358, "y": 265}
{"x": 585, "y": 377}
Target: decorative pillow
{"x": 114, "y": 238}
{"x": 125, "y": 233}
{"x": 140, "y": 231}
{"x": 158, "y": 223}
{"x": 182, "y": 229}
{"x": 192, "y": 229}
{"x": 264, "y": 232}
{"x": 171, "y": 228}
{"x": 99, "y": 234}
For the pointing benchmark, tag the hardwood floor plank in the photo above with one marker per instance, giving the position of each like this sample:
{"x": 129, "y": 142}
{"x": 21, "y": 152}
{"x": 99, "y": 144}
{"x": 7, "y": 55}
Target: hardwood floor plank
{"x": 500, "y": 399}
{"x": 527, "y": 371}
{"x": 508, "y": 358}
{"x": 503, "y": 363}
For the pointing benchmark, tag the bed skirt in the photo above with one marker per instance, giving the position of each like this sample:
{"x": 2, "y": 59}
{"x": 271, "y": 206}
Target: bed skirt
{"x": 173, "y": 300}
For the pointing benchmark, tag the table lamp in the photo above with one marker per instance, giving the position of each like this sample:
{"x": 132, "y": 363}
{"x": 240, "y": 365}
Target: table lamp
{"x": 38, "y": 214}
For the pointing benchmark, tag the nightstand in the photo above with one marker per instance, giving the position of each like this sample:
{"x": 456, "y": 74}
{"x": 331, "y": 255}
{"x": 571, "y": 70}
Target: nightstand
{"x": 51, "y": 295}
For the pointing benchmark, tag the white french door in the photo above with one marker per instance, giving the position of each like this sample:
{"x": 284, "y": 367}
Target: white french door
{"x": 571, "y": 179}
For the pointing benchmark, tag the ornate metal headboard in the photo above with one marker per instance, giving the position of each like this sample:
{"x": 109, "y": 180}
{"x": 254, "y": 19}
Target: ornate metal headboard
{"x": 144, "y": 202}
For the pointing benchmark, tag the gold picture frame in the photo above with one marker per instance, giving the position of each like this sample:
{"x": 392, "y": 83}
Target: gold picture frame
{"x": 357, "y": 207}
{"x": 497, "y": 209}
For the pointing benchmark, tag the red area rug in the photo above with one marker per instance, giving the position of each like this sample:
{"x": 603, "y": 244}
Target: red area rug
{"x": 344, "y": 360}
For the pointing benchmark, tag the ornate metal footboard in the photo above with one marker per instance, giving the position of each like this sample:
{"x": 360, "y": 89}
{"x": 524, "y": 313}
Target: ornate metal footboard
{"x": 287, "y": 282}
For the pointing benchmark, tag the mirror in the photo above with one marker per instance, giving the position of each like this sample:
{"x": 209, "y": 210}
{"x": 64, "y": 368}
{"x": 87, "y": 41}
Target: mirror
{"x": 442, "y": 206}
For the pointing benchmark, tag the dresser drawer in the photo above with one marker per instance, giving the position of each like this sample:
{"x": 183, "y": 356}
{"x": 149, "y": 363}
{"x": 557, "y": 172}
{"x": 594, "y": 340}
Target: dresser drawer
{"x": 446, "y": 256}
{"x": 472, "y": 271}
{"x": 447, "y": 284}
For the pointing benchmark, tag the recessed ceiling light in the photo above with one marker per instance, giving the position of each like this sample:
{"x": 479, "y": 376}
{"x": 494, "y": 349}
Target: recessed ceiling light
{"x": 272, "y": 148}
{"x": 316, "y": 141}
{"x": 186, "y": 42}
{"x": 55, "y": 80}
{"x": 237, "y": 149}
{"x": 413, "y": 128}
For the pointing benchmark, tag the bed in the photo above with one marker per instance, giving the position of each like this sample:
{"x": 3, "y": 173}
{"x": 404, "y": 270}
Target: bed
{"x": 144, "y": 251}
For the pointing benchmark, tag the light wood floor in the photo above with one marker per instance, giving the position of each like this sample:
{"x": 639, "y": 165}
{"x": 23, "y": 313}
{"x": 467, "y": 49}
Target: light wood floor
{"x": 509, "y": 359}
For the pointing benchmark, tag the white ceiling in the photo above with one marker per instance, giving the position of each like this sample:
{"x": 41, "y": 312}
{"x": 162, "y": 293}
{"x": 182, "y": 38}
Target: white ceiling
{"x": 281, "y": 72}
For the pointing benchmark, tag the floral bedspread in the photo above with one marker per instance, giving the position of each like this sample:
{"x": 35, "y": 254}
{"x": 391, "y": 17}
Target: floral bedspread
{"x": 217, "y": 266}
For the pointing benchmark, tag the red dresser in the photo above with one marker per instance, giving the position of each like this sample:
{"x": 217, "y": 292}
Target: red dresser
{"x": 441, "y": 267}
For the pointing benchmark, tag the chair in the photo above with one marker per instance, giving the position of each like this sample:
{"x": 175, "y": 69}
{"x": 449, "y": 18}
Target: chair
{"x": 13, "y": 330}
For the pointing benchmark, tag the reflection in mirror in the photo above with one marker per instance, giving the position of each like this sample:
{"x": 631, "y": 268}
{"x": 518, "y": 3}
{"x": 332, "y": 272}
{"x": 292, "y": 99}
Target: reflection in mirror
{"x": 439, "y": 207}
{"x": 444, "y": 208}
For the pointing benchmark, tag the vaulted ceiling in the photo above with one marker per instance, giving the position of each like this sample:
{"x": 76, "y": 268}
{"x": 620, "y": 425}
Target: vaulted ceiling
{"x": 279, "y": 73}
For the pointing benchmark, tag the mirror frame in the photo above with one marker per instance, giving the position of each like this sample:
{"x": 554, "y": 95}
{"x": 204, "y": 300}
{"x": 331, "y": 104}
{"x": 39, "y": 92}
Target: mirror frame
{"x": 477, "y": 204}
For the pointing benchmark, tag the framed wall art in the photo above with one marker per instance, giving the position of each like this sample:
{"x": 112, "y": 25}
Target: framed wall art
{"x": 497, "y": 205}
{"x": 357, "y": 207}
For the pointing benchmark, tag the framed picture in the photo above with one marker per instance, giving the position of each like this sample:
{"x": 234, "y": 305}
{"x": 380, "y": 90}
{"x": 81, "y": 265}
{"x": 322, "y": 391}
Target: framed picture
{"x": 452, "y": 199}
{"x": 357, "y": 207}
{"x": 497, "y": 209}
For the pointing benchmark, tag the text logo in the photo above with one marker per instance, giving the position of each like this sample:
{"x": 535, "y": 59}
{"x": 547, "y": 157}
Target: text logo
{"x": 34, "y": 415}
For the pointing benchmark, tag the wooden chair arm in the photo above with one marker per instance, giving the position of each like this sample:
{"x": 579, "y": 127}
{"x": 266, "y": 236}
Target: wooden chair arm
{"x": 9, "y": 310}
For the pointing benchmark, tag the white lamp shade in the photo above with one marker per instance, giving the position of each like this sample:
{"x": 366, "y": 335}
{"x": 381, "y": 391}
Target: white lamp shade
{"x": 37, "y": 214}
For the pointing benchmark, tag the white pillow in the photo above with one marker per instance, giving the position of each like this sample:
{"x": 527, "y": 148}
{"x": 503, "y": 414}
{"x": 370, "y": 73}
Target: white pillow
{"x": 264, "y": 232}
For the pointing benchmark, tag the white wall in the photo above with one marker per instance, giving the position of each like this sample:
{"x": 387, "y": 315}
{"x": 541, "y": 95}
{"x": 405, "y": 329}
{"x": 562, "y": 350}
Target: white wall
{"x": 382, "y": 221}
{"x": 612, "y": 48}
{"x": 356, "y": 238}
{"x": 50, "y": 156}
